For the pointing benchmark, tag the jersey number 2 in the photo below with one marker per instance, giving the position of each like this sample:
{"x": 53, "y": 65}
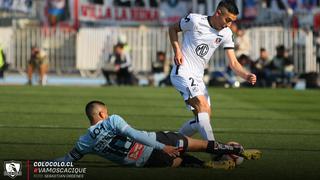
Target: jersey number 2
{"x": 192, "y": 81}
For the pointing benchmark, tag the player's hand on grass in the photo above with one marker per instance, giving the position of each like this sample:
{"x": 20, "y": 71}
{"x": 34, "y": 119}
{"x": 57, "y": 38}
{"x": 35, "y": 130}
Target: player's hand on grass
{"x": 178, "y": 58}
{"x": 251, "y": 78}
{"x": 171, "y": 151}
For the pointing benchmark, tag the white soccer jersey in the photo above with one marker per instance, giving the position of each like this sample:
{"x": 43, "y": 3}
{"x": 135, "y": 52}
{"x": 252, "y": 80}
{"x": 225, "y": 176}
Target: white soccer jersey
{"x": 200, "y": 40}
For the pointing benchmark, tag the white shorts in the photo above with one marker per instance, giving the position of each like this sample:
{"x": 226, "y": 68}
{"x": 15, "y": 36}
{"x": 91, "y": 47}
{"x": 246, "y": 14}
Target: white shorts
{"x": 189, "y": 87}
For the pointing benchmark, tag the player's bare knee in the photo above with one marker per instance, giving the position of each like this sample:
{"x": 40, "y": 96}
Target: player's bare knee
{"x": 209, "y": 111}
{"x": 204, "y": 107}
{"x": 176, "y": 162}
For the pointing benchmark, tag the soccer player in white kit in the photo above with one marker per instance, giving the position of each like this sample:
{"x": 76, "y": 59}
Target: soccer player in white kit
{"x": 202, "y": 35}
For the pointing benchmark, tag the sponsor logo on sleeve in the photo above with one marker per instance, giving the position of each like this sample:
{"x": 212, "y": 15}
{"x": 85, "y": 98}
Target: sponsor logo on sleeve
{"x": 136, "y": 151}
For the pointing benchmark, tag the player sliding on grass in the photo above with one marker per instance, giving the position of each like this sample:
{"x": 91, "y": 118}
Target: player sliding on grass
{"x": 202, "y": 35}
{"x": 112, "y": 138}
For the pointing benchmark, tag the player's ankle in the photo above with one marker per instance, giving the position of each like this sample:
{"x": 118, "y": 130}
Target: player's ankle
{"x": 219, "y": 148}
{"x": 210, "y": 147}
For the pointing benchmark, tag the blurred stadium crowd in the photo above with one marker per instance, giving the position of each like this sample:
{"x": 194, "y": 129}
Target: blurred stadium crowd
{"x": 126, "y": 41}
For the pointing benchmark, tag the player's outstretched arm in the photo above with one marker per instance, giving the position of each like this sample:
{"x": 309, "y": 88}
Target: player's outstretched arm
{"x": 238, "y": 69}
{"x": 143, "y": 138}
{"x": 173, "y": 35}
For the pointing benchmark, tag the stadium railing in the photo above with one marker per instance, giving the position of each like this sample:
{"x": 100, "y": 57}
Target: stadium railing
{"x": 84, "y": 50}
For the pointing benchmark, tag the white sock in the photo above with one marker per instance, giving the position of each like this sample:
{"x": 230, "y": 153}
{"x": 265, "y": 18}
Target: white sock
{"x": 44, "y": 80}
{"x": 204, "y": 127}
{"x": 189, "y": 128}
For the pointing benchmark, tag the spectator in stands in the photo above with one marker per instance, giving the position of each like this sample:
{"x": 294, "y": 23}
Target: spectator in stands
{"x": 288, "y": 69}
{"x": 281, "y": 68}
{"x": 242, "y": 51}
{"x": 275, "y": 67}
{"x": 122, "y": 63}
{"x": 108, "y": 66}
{"x": 57, "y": 11}
{"x": 247, "y": 64}
{"x": 159, "y": 68}
{"x": 3, "y": 63}
{"x": 242, "y": 41}
{"x": 122, "y": 39}
{"x": 260, "y": 67}
{"x": 166, "y": 81}
{"x": 38, "y": 62}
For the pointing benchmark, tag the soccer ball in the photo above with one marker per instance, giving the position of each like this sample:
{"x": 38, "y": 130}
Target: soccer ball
{"x": 237, "y": 159}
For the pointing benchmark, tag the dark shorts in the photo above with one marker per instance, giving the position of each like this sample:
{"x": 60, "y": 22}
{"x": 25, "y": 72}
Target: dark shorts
{"x": 36, "y": 63}
{"x": 160, "y": 159}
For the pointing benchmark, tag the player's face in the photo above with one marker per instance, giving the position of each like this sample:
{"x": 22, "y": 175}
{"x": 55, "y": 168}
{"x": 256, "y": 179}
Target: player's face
{"x": 34, "y": 51}
{"x": 103, "y": 113}
{"x": 225, "y": 18}
{"x": 264, "y": 54}
{"x": 118, "y": 50}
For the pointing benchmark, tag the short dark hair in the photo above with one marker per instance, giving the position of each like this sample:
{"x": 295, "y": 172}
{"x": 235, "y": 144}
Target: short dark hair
{"x": 280, "y": 47}
{"x": 262, "y": 49}
{"x": 91, "y": 107}
{"x": 119, "y": 45}
{"x": 161, "y": 53}
{"x": 230, "y": 5}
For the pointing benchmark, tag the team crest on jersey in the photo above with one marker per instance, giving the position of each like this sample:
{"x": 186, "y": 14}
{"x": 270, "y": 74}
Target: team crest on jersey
{"x": 202, "y": 50}
{"x": 12, "y": 168}
{"x": 195, "y": 89}
{"x": 218, "y": 40}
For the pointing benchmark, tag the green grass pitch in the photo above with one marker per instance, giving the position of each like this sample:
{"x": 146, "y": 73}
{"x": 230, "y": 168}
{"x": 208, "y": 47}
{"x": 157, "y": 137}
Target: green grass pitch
{"x": 39, "y": 123}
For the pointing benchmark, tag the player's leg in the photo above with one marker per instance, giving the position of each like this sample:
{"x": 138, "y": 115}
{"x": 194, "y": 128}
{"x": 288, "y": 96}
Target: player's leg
{"x": 43, "y": 69}
{"x": 30, "y": 70}
{"x": 212, "y": 147}
{"x": 191, "y": 161}
{"x": 204, "y": 146}
{"x": 190, "y": 127}
{"x": 159, "y": 158}
{"x": 216, "y": 148}
{"x": 187, "y": 160}
{"x": 106, "y": 75}
{"x": 180, "y": 84}
{"x": 195, "y": 94}
{"x": 185, "y": 143}
{"x": 200, "y": 103}
{"x": 177, "y": 162}
{"x": 202, "y": 111}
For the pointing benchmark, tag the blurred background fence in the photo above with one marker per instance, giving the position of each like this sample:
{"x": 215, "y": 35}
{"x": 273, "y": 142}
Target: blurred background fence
{"x": 82, "y": 51}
